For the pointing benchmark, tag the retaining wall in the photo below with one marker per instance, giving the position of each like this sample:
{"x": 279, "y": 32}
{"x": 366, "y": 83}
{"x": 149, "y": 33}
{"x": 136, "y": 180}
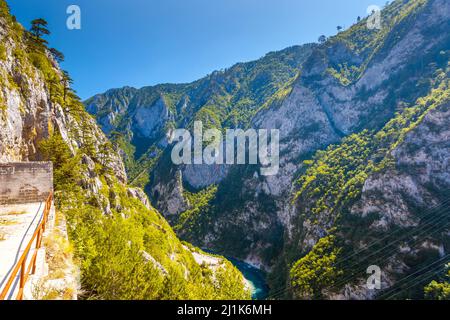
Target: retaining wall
{"x": 25, "y": 182}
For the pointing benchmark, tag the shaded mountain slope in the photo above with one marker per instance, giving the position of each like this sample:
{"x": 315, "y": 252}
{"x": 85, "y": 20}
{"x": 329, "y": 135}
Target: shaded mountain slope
{"x": 124, "y": 247}
{"x": 347, "y": 110}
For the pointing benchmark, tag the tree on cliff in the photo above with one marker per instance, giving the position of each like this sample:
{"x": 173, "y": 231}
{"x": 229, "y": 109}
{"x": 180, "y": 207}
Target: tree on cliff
{"x": 322, "y": 39}
{"x": 316, "y": 271}
{"x": 67, "y": 81}
{"x": 57, "y": 55}
{"x": 39, "y": 29}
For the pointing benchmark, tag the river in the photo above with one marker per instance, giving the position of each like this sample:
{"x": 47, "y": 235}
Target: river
{"x": 255, "y": 277}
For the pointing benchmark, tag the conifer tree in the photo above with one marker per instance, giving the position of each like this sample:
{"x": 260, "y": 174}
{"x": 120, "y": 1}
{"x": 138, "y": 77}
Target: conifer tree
{"x": 39, "y": 29}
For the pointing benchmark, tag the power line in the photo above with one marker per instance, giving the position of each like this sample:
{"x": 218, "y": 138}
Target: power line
{"x": 430, "y": 223}
{"x": 388, "y": 293}
{"x": 281, "y": 292}
{"x": 430, "y": 211}
{"x": 421, "y": 233}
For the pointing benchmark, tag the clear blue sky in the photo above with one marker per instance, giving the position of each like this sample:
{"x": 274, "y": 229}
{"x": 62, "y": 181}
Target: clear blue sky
{"x": 146, "y": 42}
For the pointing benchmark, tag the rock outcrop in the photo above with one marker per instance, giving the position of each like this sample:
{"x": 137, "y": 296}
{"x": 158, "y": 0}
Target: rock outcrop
{"x": 354, "y": 83}
{"x": 37, "y": 107}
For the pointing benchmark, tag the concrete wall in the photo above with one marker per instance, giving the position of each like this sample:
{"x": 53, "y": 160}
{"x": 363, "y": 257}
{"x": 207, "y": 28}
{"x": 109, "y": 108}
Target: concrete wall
{"x": 25, "y": 182}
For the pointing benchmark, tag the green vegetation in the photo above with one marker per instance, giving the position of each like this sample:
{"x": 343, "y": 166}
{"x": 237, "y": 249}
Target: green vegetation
{"x": 200, "y": 205}
{"x": 132, "y": 253}
{"x": 66, "y": 167}
{"x": 124, "y": 249}
{"x": 337, "y": 173}
{"x": 3, "y": 106}
{"x": 345, "y": 74}
{"x": 59, "y": 258}
{"x": 39, "y": 29}
{"x": 439, "y": 290}
{"x": 316, "y": 271}
{"x": 366, "y": 43}
{"x": 2, "y": 52}
{"x": 329, "y": 183}
{"x": 224, "y": 99}
{"x": 333, "y": 180}
{"x": 111, "y": 249}
{"x": 113, "y": 265}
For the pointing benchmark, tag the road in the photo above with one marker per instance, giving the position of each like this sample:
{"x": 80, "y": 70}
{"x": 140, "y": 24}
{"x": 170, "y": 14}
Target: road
{"x": 17, "y": 225}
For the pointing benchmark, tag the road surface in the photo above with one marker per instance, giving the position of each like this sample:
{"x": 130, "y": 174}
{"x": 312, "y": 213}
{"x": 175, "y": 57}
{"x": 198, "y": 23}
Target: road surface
{"x": 17, "y": 225}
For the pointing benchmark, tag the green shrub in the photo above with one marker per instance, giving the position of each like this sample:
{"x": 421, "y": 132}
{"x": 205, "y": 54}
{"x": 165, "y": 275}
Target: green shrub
{"x": 439, "y": 290}
{"x": 65, "y": 165}
{"x": 316, "y": 271}
{"x": 3, "y": 52}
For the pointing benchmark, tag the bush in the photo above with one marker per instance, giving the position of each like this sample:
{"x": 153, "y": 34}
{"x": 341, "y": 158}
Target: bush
{"x": 316, "y": 271}
{"x": 65, "y": 165}
{"x": 2, "y": 52}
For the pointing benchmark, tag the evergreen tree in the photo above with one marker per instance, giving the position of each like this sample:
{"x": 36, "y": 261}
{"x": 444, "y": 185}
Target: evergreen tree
{"x": 317, "y": 270}
{"x": 66, "y": 81}
{"x": 39, "y": 29}
{"x": 57, "y": 55}
{"x": 322, "y": 39}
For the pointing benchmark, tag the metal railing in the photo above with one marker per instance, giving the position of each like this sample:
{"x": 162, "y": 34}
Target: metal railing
{"x": 21, "y": 265}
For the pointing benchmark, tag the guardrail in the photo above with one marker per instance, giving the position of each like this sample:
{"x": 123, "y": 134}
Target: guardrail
{"x": 21, "y": 264}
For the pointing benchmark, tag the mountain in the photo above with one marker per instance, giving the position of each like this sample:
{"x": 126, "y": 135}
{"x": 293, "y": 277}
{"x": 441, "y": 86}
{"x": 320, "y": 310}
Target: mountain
{"x": 364, "y": 151}
{"x": 141, "y": 121}
{"x": 125, "y": 249}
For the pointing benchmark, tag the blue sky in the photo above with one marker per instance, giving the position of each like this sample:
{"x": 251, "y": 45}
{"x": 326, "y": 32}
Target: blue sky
{"x": 146, "y": 42}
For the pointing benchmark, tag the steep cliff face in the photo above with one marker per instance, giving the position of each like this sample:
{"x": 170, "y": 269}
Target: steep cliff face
{"x": 144, "y": 118}
{"x": 408, "y": 201}
{"x": 420, "y": 176}
{"x": 373, "y": 191}
{"x": 323, "y": 105}
{"x": 30, "y": 114}
{"x": 112, "y": 227}
{"x": 379, "y": 203}
{"x": 343, "y": 109}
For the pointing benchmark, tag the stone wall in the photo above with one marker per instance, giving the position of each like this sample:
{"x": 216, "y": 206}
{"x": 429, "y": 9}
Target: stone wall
{"x": 25, "y": 182}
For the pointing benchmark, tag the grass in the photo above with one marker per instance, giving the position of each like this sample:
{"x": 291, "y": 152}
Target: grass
{"x": 44, "y": 293}
{"x": 5, "y": 222}
{"x": 3, "y": 53}
{"x": 16, "y": 213}
{"x": 59, "y": 257}
{"x": 58, "y": 252}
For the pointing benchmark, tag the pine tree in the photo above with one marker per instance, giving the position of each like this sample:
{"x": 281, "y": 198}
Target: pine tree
{"x": 57, "y": 55}
{"x": 322, "y": 39}
{"x": 39, "y": 29}
{"x": 66, "y": 81}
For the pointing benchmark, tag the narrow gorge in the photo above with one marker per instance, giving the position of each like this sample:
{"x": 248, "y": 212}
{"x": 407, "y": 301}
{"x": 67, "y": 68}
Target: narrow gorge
{"x": 358, "y": 161}
{"x": 363, "y": 181}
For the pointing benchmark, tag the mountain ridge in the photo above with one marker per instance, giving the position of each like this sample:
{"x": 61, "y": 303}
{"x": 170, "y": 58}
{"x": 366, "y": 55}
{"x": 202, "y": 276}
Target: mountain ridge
{"x": 359, "y": 85}
{"x": 123, "y": 246}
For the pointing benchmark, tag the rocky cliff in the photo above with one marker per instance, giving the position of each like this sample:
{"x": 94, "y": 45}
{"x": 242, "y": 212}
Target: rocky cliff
{"x": 113, "y": 228}
{"x": 356, "y": 116}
